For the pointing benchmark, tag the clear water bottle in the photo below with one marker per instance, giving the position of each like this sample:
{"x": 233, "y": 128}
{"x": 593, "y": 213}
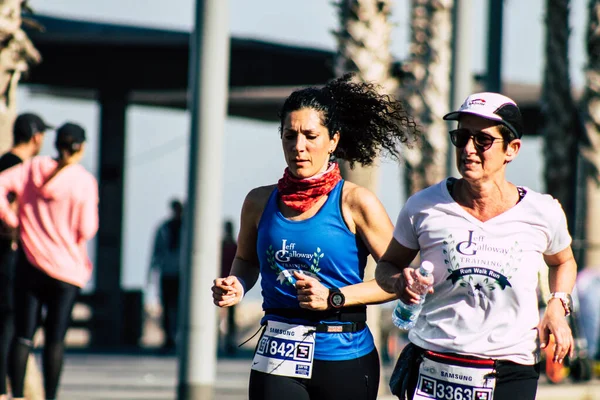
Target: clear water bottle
{"x": 405, "y": 315}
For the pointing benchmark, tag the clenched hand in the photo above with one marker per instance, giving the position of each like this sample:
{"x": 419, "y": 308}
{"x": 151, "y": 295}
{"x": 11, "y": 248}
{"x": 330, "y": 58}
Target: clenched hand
{"x": 311, "y": 293}
{"x": 227, "y": 292}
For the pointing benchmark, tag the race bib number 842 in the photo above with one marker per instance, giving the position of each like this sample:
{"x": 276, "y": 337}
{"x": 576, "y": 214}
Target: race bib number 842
{"x": 285, "y": 350}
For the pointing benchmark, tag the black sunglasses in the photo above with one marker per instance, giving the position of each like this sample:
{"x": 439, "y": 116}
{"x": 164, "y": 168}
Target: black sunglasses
{"x": 483, "y": 141}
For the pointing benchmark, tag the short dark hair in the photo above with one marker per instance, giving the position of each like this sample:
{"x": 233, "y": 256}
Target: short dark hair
{"x": 20, "y": 137}
{"x": 507, "y": 135}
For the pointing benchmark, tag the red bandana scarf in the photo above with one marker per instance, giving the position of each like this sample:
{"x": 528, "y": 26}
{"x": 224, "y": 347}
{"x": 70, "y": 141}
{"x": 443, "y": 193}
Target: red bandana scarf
{"x": 302, "y": 194}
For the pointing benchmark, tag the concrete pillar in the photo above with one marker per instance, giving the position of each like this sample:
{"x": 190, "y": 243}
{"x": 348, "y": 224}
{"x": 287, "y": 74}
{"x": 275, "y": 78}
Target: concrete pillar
{"x": 209, "y": 78}
{"x": 107, "y": 315}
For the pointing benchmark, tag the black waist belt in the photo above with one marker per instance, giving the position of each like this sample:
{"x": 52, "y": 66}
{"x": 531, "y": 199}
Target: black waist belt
{"x": 346, "y": 314}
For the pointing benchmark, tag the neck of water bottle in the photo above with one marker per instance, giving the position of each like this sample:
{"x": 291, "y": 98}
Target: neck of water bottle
{"x": 418, "y": 286}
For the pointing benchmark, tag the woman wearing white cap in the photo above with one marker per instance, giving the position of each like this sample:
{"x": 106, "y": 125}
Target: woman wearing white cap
{"x": 479, "y": 333}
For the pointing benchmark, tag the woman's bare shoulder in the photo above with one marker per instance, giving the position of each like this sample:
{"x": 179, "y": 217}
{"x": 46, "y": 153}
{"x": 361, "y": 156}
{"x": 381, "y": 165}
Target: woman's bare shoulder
{"x": 257, "y": 198}
{"x": 358, "y": 197}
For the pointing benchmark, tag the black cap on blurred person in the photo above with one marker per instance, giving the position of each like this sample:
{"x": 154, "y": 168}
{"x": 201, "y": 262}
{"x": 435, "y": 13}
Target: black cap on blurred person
{"x": 70, "y": 136}
{"x": 26, "y": 125}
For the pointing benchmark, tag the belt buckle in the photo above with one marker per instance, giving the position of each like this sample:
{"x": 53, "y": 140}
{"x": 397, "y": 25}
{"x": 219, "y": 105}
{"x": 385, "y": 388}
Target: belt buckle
{"x": 335, "y": 328}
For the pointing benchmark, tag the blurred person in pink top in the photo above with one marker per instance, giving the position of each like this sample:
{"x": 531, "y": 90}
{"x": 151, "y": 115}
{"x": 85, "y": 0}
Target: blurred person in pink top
{"x": 57, "y": 216}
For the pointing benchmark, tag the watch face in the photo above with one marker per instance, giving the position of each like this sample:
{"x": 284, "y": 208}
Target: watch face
{"x": 337, "y": 300}
{"x": 566, "y": 301}
{"x": 569, "y": 302}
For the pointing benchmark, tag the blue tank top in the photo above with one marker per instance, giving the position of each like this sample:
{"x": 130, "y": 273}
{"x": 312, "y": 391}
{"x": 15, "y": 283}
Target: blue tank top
{"x": 322, "y": 247}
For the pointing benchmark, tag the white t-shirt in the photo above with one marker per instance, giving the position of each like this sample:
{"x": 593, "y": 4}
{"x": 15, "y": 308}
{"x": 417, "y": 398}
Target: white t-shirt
{"x": 485, "y": 301}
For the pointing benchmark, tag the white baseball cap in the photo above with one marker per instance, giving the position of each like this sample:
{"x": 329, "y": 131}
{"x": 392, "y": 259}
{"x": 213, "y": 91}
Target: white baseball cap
{"x": 492, "y": 106}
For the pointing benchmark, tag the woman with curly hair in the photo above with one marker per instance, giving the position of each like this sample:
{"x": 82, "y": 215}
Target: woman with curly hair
{"x": 308, "y": 237}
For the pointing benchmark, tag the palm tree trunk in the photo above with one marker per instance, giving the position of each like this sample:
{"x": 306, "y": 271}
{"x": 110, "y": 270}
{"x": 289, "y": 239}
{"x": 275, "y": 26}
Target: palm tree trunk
{"x": 17, "y": 53}
{"x": 590, "y": 144}
{"x": 560, "y": 119}
{"x": 560, "y": 115}
{"x": 426, "y": 89}
{"x": 363, "y": 47}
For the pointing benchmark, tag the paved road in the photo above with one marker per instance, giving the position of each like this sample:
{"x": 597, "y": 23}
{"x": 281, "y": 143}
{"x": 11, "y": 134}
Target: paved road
{"x": 99, "y": 377}
{"x": 133, "y": 377}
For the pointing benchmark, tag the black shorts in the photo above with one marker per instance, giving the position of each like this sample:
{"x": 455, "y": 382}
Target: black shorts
{"x": 516, "y": 381}
{"x": 331, "y": 380}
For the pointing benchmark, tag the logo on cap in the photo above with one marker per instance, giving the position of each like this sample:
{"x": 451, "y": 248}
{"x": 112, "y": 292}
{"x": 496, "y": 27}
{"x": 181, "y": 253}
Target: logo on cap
{"x": 477, "y": 102}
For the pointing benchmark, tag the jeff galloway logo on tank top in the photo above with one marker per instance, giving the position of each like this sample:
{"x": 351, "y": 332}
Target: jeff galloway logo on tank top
{"x": 287, "y": 259}
{"x": 479, "y": 266}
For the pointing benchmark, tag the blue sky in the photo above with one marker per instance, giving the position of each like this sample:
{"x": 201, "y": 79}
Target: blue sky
{"x": 157, "y": 148}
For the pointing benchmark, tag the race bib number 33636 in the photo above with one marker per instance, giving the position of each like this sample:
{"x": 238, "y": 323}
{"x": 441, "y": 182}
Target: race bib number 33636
{"x": 286, "y": 350}
{"x": 441, "y": 381}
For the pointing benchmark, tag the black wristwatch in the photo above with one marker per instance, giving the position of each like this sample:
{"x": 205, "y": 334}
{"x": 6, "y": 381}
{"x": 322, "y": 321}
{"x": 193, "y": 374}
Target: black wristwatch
{"x": 336, "y": 298}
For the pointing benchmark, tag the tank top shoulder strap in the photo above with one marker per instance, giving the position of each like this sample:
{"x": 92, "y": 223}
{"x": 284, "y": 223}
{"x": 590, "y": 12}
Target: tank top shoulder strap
{"x": 272, "y": 201}
{"x": 333, "y": 203}
{"x": 336, "y": 193}
{"x": 270, "y": 208}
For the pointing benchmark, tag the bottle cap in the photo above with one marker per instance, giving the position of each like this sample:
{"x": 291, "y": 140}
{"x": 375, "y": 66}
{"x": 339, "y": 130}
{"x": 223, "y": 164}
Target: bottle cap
{"x": 427, "y": 266}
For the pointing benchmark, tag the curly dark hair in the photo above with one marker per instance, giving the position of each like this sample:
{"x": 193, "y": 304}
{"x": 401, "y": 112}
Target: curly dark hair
{"x": 370, "y": 123}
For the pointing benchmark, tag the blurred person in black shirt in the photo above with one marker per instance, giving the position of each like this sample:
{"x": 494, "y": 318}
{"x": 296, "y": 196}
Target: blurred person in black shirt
{"x": 166, "y": 261}
{"x": 28, "y": 138}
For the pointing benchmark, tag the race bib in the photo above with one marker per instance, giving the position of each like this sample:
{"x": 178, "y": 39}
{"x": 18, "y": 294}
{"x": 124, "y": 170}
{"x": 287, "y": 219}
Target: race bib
{"x": 286, "y": 350}
{"x": 442, "y": 381}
